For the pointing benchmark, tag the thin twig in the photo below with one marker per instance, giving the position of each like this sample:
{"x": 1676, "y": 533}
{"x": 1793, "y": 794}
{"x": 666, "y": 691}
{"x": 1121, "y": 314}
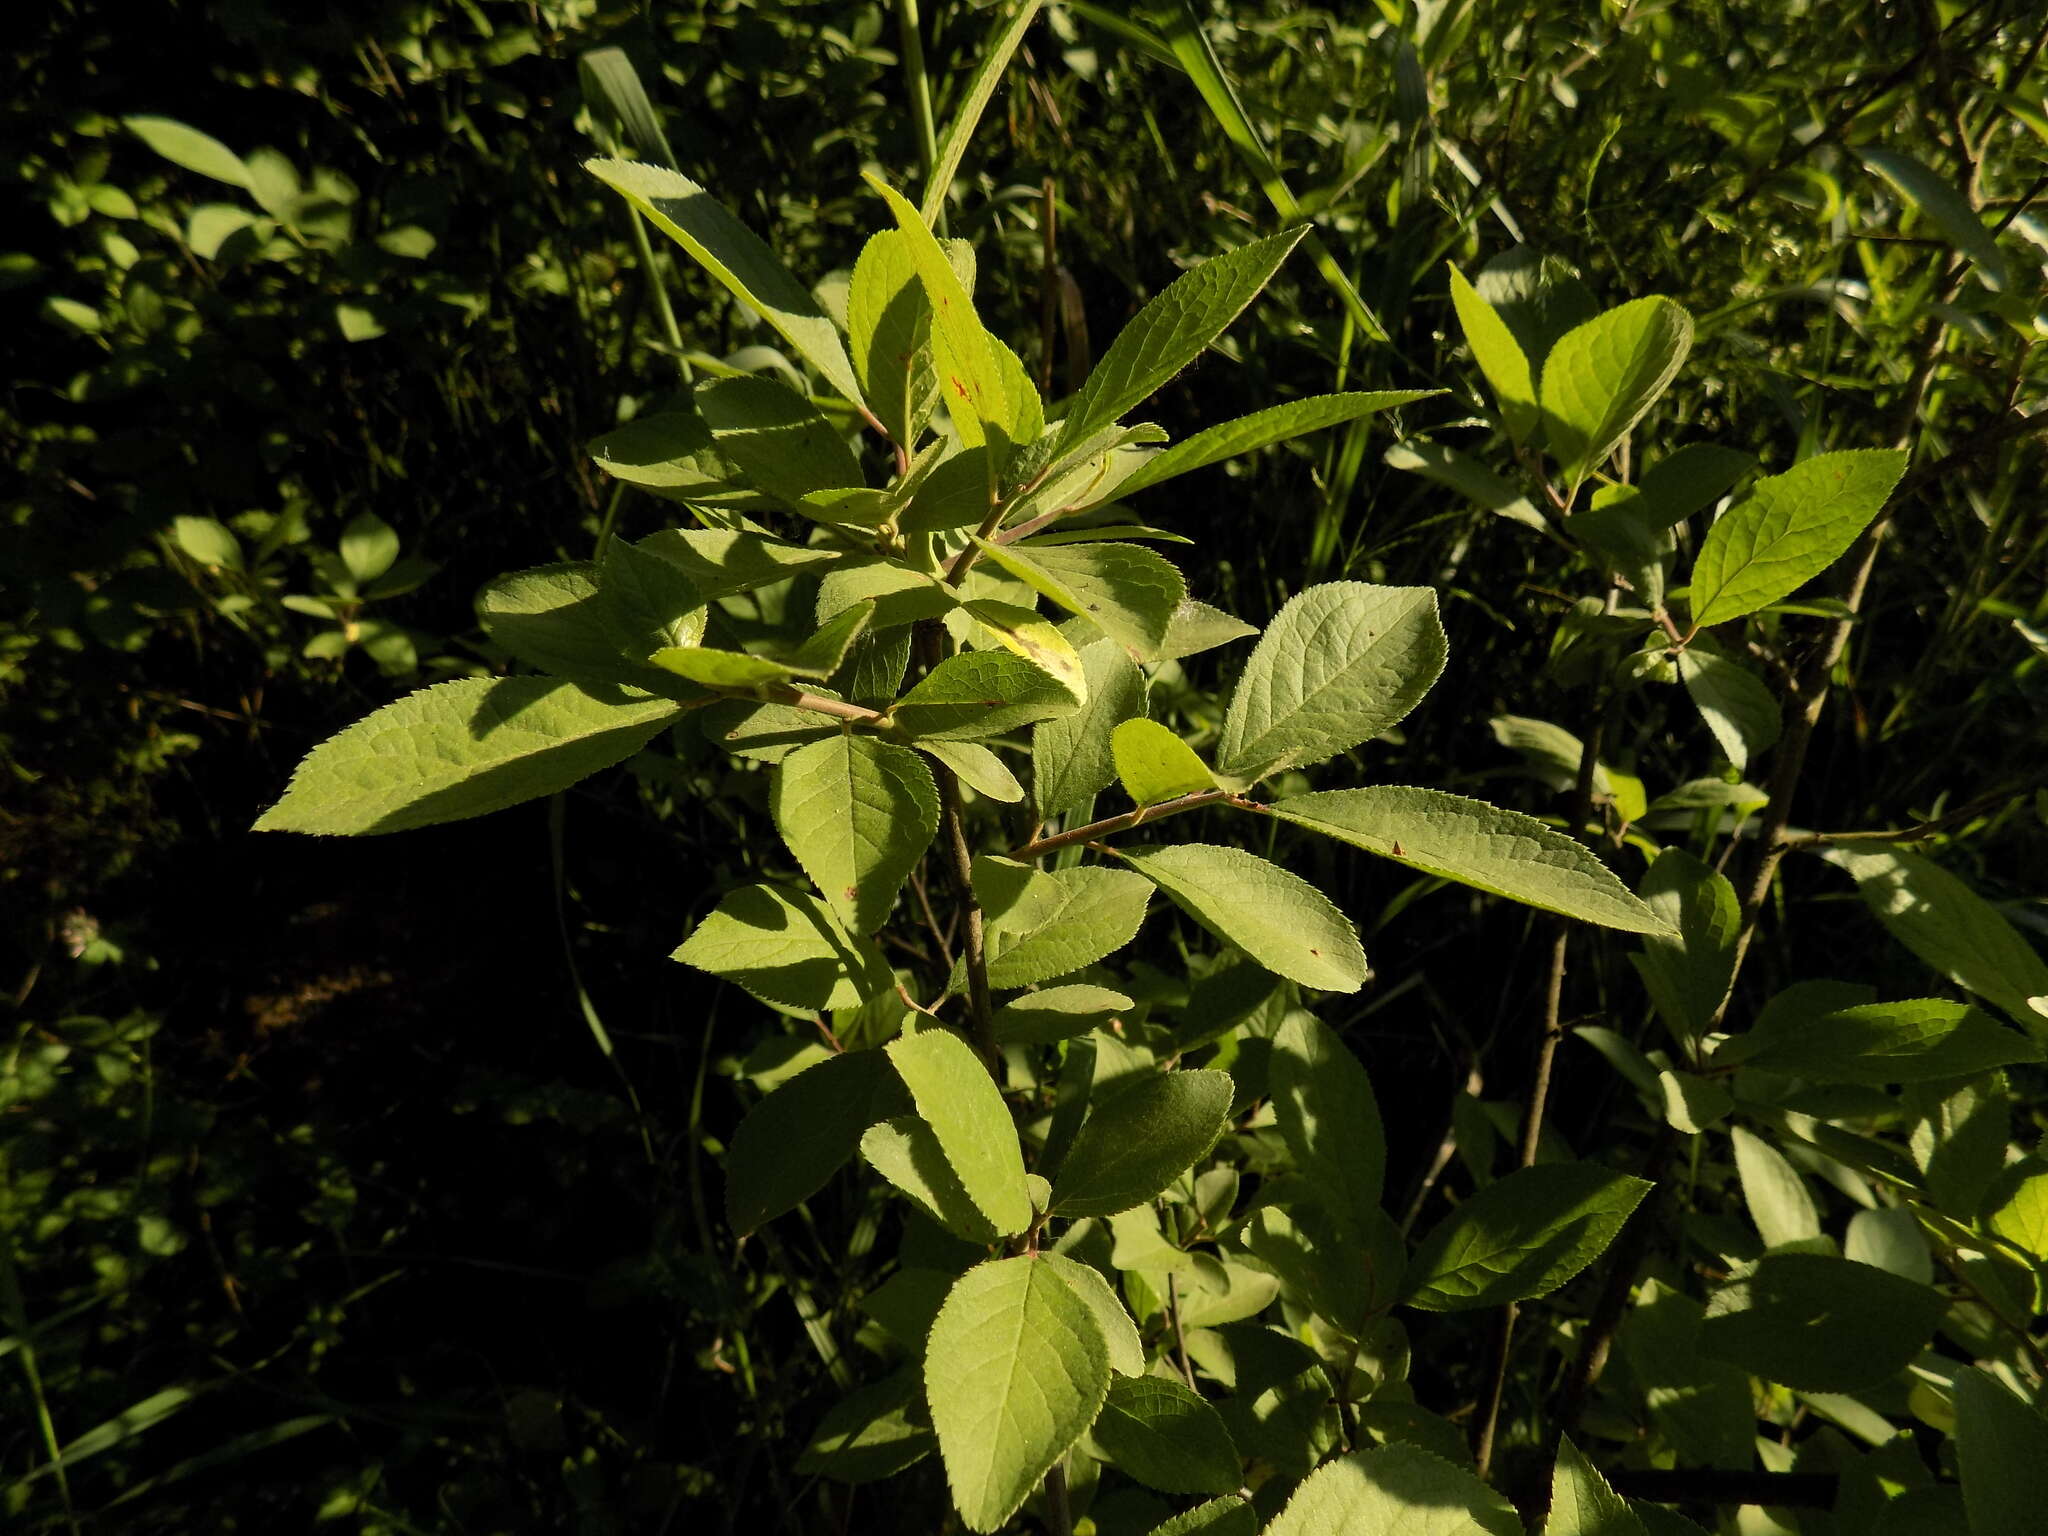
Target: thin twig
{"x": 1040, "y": 847}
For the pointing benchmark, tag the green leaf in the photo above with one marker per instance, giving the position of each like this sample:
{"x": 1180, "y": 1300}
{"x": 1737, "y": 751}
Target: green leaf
{"x": 1581, "y": 1502}
{"x": 793, "y": 1141}
{"x": 1166, "y": 1437}
{"x": 1071, "y": 757}
{"x": 1521, "y": 1236}
{"x": 1261, "y": 429}
{"x": 779, "y": 440}
{"x": 1155, "y": 764}
{"x": 1218, "y": 1517}
{"x": 970, "y": 376}
{"x": 1338, "y": 665}
{"x": 1947, "y": 207}
{"x": 712, "y": 668}
{"x": 2023, "y": 1219}
{"x": 735, "y": 257}
{"x": 190, "y": 149}
{"x": 2002, "y": 1453}
{"x": 1270, "y": 913}
{"x": 889, "y": 322}
{"x": 1917, "y": 1040}
{"x": 988, "y": 73}
{"x": 858, "y": 814}
{"x": 1171, "y": 332}
{"x": 787, "y": 948}
{"x": 978, "y": 768}
{"x": 1063, "y": 919}
{"x": 873, "y": 1433}
{"x": 1789, "y": 529}
{"x": 1687, "y": 480}
{"x": 1820, "y": 1324}
{"x": 1139, "y": 1141}
{"x": 209, "y": 541}
{"x": 462, "y": 749}
{"x": 671, "y": 454}
{"x": 1197, "y": 627}
{"x": 1394, "y": 1490}
{"x": 1890, "y": 1238}
{"x": 979, "y": 694}
{"x": 1476, "y": 844}
{"x": 1467, "y": 476}
{"x": 1737, "y": 705}
{"x": 1691, "y": 1103}
{"x": 1023, "y": 632}
{"x": 1340, "y": 1273}
{"x": 1779, "y": 1202}
{"x": 960, "y": 1101}
{"x": 648, "y": 601}
{"x": 1015, "y": 1369}
{"x": 1329, "y": 1118}
{"x": 1499, "y": 356}
{"x": 553, "y": 617}
{"x": 1688, "y": 967}
{"x": 718, "y": 561}
{"x": 368, "y": 547}
{"x": 1602, "y": 376}
{"x": 1119, "y": 1332}
{"x": 1124, "y": 590}
{"x": 1952, "y": 928}
{"x": 906, "y": 1152}
{"x": 1057, "y": 1013}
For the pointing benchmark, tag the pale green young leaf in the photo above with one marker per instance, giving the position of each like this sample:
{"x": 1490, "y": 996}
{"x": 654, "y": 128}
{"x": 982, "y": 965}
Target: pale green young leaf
{"x": 1197, "y": 627}
{"x": 1467, "y": 476}
{"x": 1015, "y": 1370}
{"x": 1779, "y": 1202}
{"x": 1688, "y": 966}
{"x": 1499, "y": 356}
{"x": 1262, "y": 429}
{"x": 888, "y": 321}
{"x": 1789, "y": 529}
{"x": 736, "y": 258}
{"x": 1057, "y": 1013}
{"x": 796, "y": 1138}
{"x": 1329, "y": 1117}
{"x": 553, "y": 618}
{"x": 1228, "y": 1516}
{"x": 960, "y": 1101}
{"x": 1024, "y": 419}
{"x": 1171, "y": 332}
{"x": 2023, "y": 1219}
{"x": 368, "y": 546}
{"x": 1582, "y": 1503}
{"x": 970, "y": 377}
{"x": 779, "y": 440}
{"x": 1916, "y": 1040}
{"x": 1944, "y": 203}
{"x": 1952, "y": 928}
{"x": 1154, "y": 764}
{"x": 1119, "y": 1332}
{"x": 906, "y": 1152}
{"x": 2002, "y": 1453}
{"x": 1068, "y": 918}
{"x": 190, "y": 150}
{"x": 719, "y": 561}
{"x": 1270, "y": 913}
{"x": 1521, "y": 1236}
{"x": 785, "y": 947}
{"x": 1820, "y": 1324}
{"x": 1890, "y": 1238}
{"x": 1394, "y": 1490}
{"x": 1602, "y": 376}
{"x": 1071, "y": 758}
{"x": 1338, "y": 665}
{"x": 1476, "y": 844}
{"x": 873, "y": 1433}
{"x": 462, "y": 749}
{"x": 1692, "y": 1103}
{"x": 979, "y": 694}
{"x": 209, "y": 541}
{"x": 1125, "y": 590}
{"x": 1141, "y": 1140}
{"x": 1024, "y": 632}
{"x": 858, "y": 814}
{"x": 1736, "y": 704}
{"x": 978, "y": 768}
{"x": 1160, "y": 1433}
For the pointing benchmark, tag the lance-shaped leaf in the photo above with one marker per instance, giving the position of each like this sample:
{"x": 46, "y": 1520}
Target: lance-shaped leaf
{"x": 462, "y": 749}
{"x": 787, "y": 948}
{"x": 1262, "y": 429}
{"x": 1499, "y": 356}
{"x": 671, "y": 454}
{"x": 889, "y": 323}
{"x": 978, "y": 768}
{"x": 781, "y": 441}
{"x": 906, "y": 1152}
{"x": 1155, "y": 764}
{"x": 821, "y": 654}
{"x": 1602, "y": 376}
{"x": 873, "y": 1433}
{"x": 795, "y": 1139}
{"x": 1197, "y": 627}
{"x": 1780, "y": 1205}
{"x": 1521, "y": 1236}
{"x": 1140, "y": 1141}
{"x": 1166, "y": 1437}
{"x": 1582, "y": 1503}
{"x": 735, "y": 257}
{"x": 1467, "y": 476}
{"x": 1476, "y": 844}
{"x": 979, "y": 694}
{"x": 1687, "y": 968}
{"x": 1124, "y": 590}
{"x": 1270, "y": 913}
{"x": 1789, "y": 529}
{"x": 1228, "y": 1516}
{"x": 1952, "y": 928}
{"x": 1338, "y": 665}
{"x": 1015, "y": 1369}
{"x": 2002, "y": 1454}
{"x": 1820, "y": 1324}
{"x": 719, "y": 561}
{"x": 1950, "y": 210}
{"x": 971, "y": 379}
{"x": 1060, "y": 921}
{"x": 858, "y": 814}
{"x": 1916, "y": 1040}
{"x": 553, "y": 618}
{"x": 191, "y": 150}
{"x": 1329, "y": 1118}
{"x": 1736, "y": 704}
{"x": 981, "y": 87}
{"x": 1395, "y": 1490}
{"x": 960, "y": 1101}
{"x": 1071, "y": 757}
{"x": 1171, "y": 332}
{"x": 1053, "y": 1014}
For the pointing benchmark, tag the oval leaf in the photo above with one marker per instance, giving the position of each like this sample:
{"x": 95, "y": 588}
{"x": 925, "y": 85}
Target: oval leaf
{"x": 960, "y": 1101}
{"x": 1273, "y": 915}
{"x": 1602, "y": 376}
{"x": 858, "y": 814}
{"x": 1166, "y": 1437}
{"x": 1140, "y": 1141}
{"x": 1522, "y": 1236}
